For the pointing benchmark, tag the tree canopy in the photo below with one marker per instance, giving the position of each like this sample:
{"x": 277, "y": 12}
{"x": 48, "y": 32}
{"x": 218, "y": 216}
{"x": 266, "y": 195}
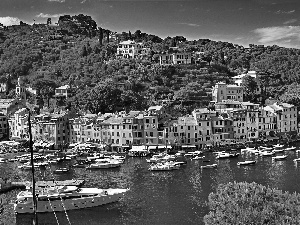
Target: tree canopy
{"x": 252, "y": 203}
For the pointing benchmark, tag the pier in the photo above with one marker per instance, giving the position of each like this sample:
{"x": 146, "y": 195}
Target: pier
{"x": 8, "y": 186}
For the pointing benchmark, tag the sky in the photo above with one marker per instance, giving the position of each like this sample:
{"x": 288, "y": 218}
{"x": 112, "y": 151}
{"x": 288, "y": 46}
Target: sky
{"x": 243, "y": 22}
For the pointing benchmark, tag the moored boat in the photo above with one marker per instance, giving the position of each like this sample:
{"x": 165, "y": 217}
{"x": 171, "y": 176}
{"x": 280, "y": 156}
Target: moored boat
{"x": 209, "y": 166}
{"x": 245, "y": 163}
{"x": 227, "y": 155}
{"x": 278, "y": 150}
{"x": 198, "y": 157}
{"x": 164, "y": 166}
{"x": 290, "y": 148}
{"x": 105, "y": 164}
{"x": 280, "y": 157}
{"x": 66, "y": 198}
{"x": 263, "y": 153}
{"x": 61, "y": 170}
{"x": 3, "y": 160}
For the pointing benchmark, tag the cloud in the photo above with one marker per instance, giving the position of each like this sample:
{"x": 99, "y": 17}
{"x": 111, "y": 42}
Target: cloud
{"x": 83, "y": 1}
{"x": 290, "y": 21}
{"x": 285, "y": 12}
{"x": 42, "y": 15}
{"x": 60, "y": 1}
{"x": 190, "y": 24}
{"x": 287, "y": 36}
{"x": 8, "y": 21}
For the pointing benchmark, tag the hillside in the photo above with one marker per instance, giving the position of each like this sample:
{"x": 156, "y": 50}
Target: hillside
{"x": 78, "y": 53}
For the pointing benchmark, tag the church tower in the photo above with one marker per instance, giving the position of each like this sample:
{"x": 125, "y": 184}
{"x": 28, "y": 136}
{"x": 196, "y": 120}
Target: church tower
{"x": 20, "y": 90}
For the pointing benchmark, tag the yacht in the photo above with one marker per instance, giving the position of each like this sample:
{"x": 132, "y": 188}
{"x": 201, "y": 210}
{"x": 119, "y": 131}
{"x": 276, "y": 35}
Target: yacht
{"x": 66, "y": 198}
{"x": 105, "y": 164}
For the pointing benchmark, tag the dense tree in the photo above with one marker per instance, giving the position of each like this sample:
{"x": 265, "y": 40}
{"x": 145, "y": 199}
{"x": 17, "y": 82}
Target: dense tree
{"x": 249, "y": 86}
{"x": 251, "y": 203}
{"x": 45, "y": 89}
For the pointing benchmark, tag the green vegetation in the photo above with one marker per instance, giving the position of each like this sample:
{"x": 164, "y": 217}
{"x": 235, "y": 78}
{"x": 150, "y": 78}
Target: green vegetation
{"x": 251, "y": 203}
{"x": 78, "y": 53}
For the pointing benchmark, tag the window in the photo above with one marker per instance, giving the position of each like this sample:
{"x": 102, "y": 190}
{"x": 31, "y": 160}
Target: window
{"x": 118, "y": 134}
{"x": 147, "y": 120}
{"x": 124, "y": 135}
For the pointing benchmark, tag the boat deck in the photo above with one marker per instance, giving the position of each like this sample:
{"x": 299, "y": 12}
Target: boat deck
{"x": 39, "y": 184}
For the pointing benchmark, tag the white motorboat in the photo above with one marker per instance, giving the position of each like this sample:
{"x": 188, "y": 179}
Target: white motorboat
{"x": 209, "y": 166}
{"x": 105, "y": 164}
{"x": 278, "y": 146}
{"x": 245, "y": 163}
{"x": 164, "y": 166}
{"x": 27, "y": 167}
{"x": 3, "y": 160}
{"x": 263, "y": 153}
{"x": 42, "y": 164}
{"x": 160, "y": 158}
{"x": 51, "y": 161}
{"x": 66, "y": 198}
{"x": 263, "y": 148}
{"x": 280, "y": 157}
{"x": 118, "y": 157}
{"x": 290, "y": 148}
{"x": 198, "y": 157}
{"x": 278, "y": 150}
{"x": 61, "y": 170}
{"x": 247, "y": 149}
{"x": 227, "y": 155}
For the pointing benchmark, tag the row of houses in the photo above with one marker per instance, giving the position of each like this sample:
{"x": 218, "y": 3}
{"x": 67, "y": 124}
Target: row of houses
{"x": 230, "y": 122}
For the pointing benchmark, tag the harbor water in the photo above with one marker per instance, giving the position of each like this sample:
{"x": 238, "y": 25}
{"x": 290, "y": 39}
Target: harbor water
{"x": 169, "y": 197}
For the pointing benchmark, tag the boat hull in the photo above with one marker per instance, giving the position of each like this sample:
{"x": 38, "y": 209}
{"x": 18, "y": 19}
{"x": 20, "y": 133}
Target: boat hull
{"x": 69, "y": 204}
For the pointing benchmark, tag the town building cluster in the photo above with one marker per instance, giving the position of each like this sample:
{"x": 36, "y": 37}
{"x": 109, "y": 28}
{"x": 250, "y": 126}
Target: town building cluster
{"x": 230, "y": 120}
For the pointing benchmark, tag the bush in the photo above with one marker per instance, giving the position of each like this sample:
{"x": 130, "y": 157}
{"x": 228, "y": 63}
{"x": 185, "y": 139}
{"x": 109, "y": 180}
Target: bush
{"x": 251, "y": 203}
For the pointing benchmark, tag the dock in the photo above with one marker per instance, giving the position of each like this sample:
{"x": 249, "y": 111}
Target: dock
{"x": 8, "y": 186}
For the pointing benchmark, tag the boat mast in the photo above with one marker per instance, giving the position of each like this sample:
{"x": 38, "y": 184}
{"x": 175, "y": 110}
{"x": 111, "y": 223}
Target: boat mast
{"x": 35, "y": 219}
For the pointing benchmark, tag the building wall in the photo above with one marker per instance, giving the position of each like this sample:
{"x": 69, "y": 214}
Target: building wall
{"x": 222, "y": 91}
